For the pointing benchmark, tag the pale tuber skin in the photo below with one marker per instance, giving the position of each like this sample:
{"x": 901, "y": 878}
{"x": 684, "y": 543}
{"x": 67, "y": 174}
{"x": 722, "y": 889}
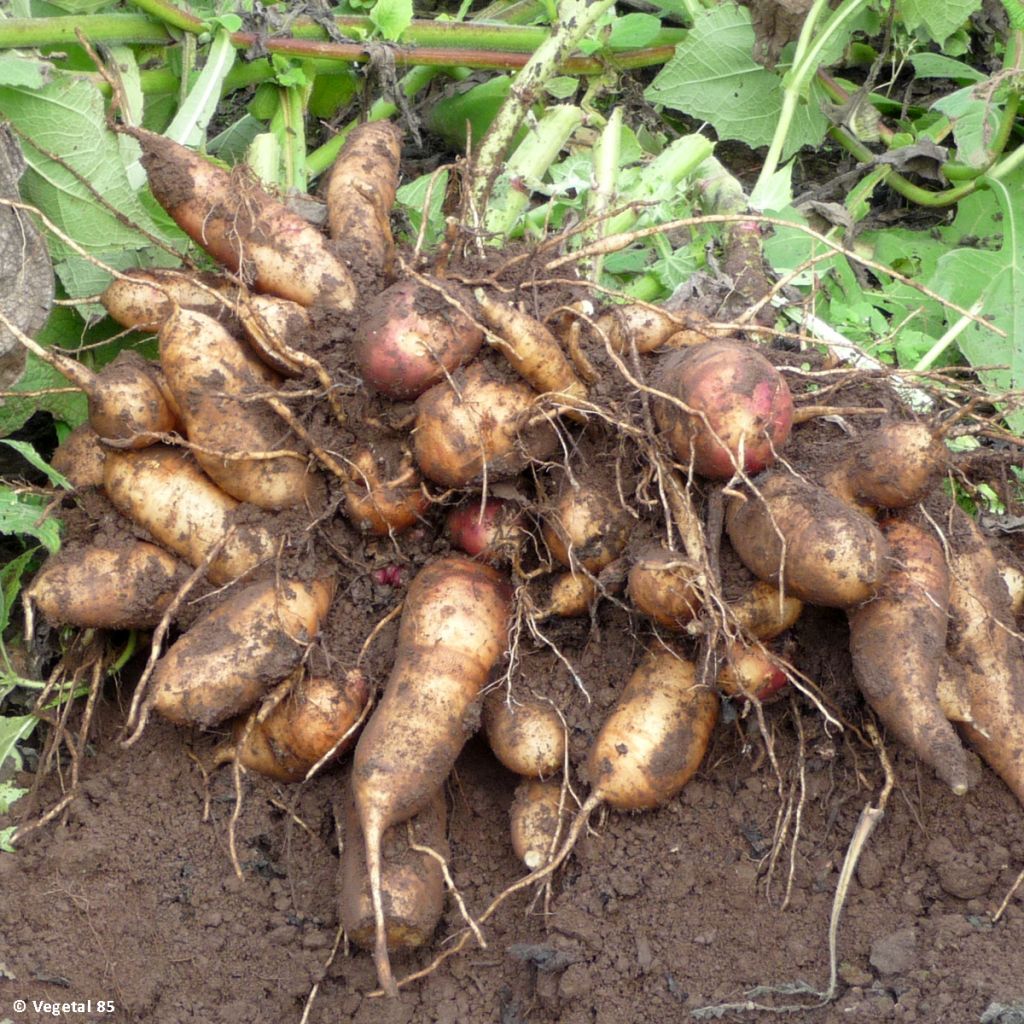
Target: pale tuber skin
{"x": 537, "y": 819}
{"x": 648, "y": 328}
{"x": 645, "y": 327}
{"x": 895, "y": 466}
{"x": 1013, "y": 580}
{"x": 799, "y": 536}
{"x": 383, "y": 507}
{"x": 453, "y": 630}
{"x": 144, "y": 299}
{"x": 764, "y": 612}
{"x": 163, "y": 490}
{"x": 585, "y": 526}
{"x": 478, "y": 423}
{"x": 531, "y": 349}
{"x": 662, "y": 586}
{"x": 653, "y": 741}
{"x": 566, "y": 595}
{"x": 649, "y": 747}
{"x": 986, "y": 653}
{"x": 897, "y": 642}
{"x": 127, "y": 586}
{"x": 126, "y": 404}
{"x": 318, "y": 714}
{"x": 274, "y": 327}
{"x": 527, "y": 737}
{"x": 360, "y": 193}
{"x": 217, "y": 381}
{"x": 411, "y": 882}
{"x": 243, "y": 227}
{"x": 80, "y": 457}
{"x": 232, "y": 655}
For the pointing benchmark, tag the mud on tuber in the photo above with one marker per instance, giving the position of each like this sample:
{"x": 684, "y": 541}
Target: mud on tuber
{"x": 322, "y": 412}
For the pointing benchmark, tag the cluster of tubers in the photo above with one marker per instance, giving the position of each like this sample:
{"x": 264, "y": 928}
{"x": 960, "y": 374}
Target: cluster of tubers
{"x": 201, "y": 453}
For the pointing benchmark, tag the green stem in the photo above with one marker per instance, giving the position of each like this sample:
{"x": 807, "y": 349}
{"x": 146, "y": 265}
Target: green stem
{"x": 416, "y": 80}
{"x": 790, "y": 98}
{"x": 897, "y": 182}
{"x": 952, "y": 169}
{"x": 170, "y": 14}
{"x": 510, "y": 52}
{"x": 575, "y": 19}
{"x": 528, "y": 165}
{"x": 158, "y": 81}
{"x": 1008, "y": 165}
{"x": 474, "y": 35}
{"x": 294, "y": 137}
{"x": 693, "y": 9}
{"x": 646, "y": 288}
{"x": 661, "y": 178}
{"x": 607, "y": 156}
{"x": 805, "y": 63}
{"x": 31, "y": 33}
{"x": 720, "y": 191}
{"x": 125, "y": 656}
{"x": 956, "y": 171}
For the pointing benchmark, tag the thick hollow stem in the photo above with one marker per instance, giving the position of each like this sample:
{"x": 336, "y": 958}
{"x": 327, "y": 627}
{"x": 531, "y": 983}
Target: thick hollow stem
{"x": 575, "y": 20}
{"x": 529, "y": 163}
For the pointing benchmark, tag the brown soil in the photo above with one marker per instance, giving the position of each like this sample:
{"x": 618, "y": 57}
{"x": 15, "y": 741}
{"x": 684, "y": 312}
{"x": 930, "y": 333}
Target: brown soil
{"x": 131, "y": 896}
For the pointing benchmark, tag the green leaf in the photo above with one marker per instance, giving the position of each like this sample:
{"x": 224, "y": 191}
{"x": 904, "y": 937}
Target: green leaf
{"x": 12, "y": 731}
{"x": 562, "y": 87}
{"x": 228, "y": 22}
{"x": 189, "y": 124}
{"x": 392, "y": 17}
{"x": 9, "y": 794}
{"x": 678, "y": 9}
{"x": 33, "y": 458}
{"x": 975, "y": 122}
{"x": 632, "y": 31}
{"x": 23, "y": 514}
{"x": 286, "y": 73}
{"x": 127, "y": 66}
{"x": 264, "y": 158}
{"x": 67, "y": 117}
{"x": 23, "y": 72}
{"x": 475, "y": 106}
{"x": 676, "y": 269}
{"x": 714, "y": 78}
{"x": 70, "y": 407}
{"x": 776, "y": 192}
{"x": 413, "y": 197}
{"x": 331, "y": 91}
{"x": 81, "y": 6}
{"x": 628, "y": 261}
{"x": 10, "y": 586}
{"x": 938, "y": 65}
{"x": 911, "y": 345}
{"x": 997, "y": 278}
{"x": 939, "y": 18}
{"x": 230, "y": 145}
{"x": 915, "y": 254}
{"x": 788, "y": 248}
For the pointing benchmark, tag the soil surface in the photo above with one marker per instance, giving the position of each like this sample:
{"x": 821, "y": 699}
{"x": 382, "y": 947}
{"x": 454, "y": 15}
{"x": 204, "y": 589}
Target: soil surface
{"x": 130, "y": 896}
{"x": 133, "y": 898}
